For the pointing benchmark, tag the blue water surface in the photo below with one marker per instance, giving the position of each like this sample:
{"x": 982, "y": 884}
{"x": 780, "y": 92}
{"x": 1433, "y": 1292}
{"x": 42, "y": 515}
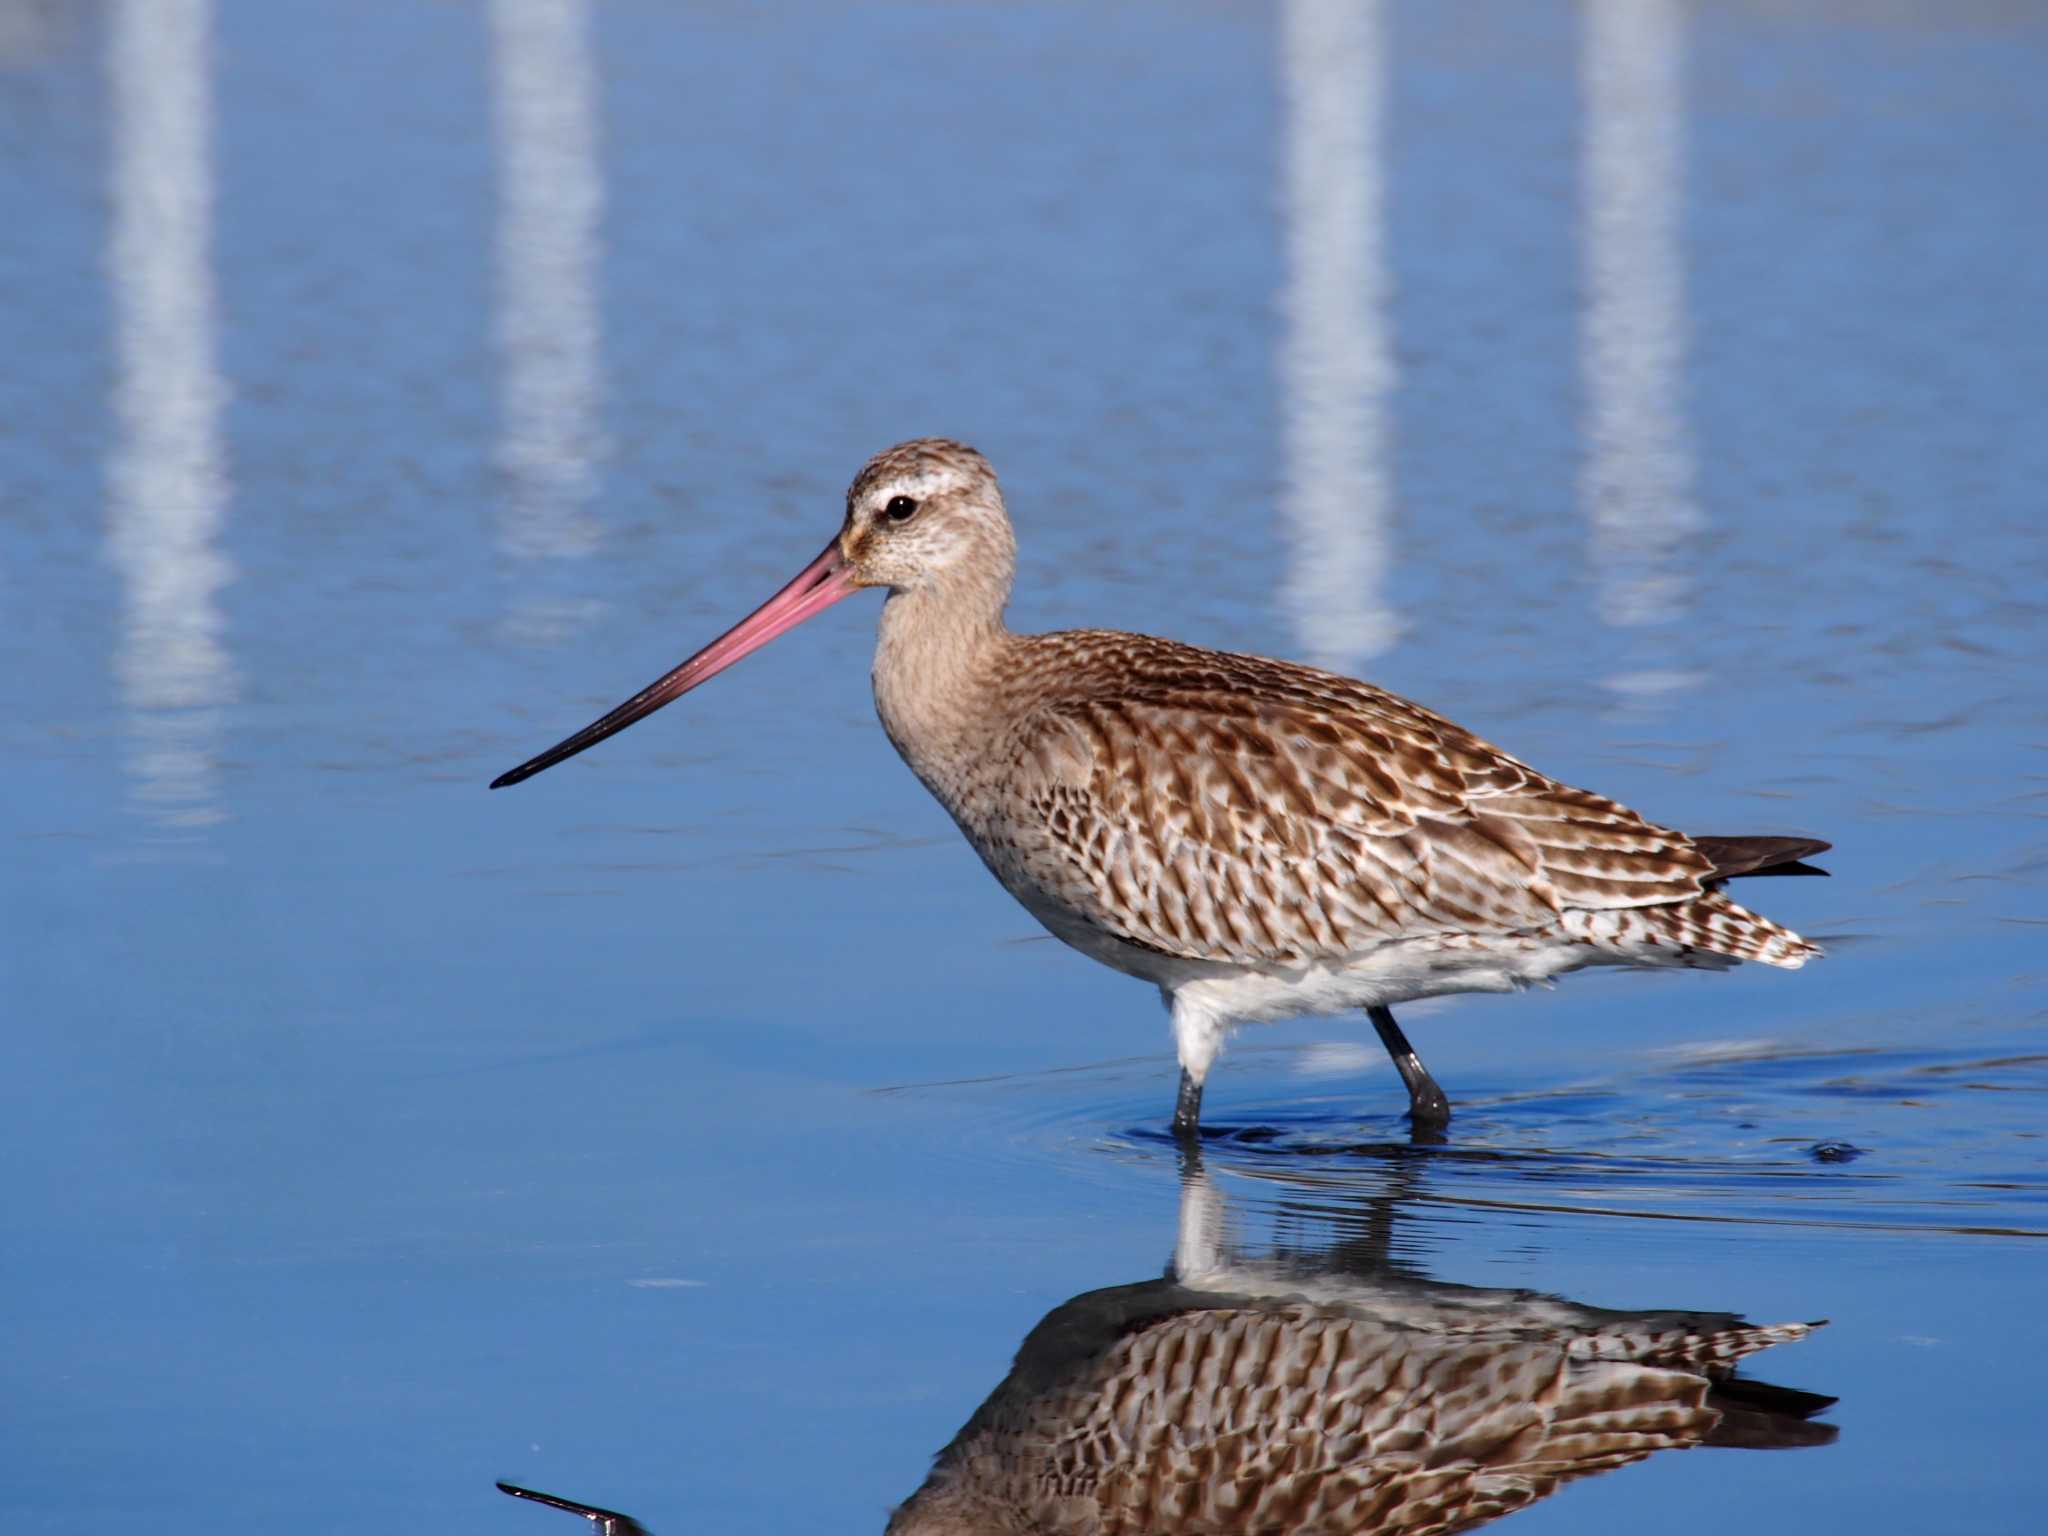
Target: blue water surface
{"x": 697, "y": 1130}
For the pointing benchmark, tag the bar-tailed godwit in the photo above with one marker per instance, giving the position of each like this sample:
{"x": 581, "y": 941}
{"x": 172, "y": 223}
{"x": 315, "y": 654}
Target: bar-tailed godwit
{"x": 1258, "y": 839}
{"x": 1304, "y": 1394}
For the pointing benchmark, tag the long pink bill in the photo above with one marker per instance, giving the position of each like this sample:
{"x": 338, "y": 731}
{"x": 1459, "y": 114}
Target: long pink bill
{"x": 817, "y": 587}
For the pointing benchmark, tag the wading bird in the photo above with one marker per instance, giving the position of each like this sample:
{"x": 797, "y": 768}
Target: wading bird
{"x": 1329, "y": 1392}
{"x": 1258, "y": 839}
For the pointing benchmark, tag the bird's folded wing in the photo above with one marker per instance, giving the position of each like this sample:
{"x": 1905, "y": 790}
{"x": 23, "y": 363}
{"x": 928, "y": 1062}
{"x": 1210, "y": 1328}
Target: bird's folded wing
{"x": 1251, "y": 811}
{"x": 1297, "y": 1419}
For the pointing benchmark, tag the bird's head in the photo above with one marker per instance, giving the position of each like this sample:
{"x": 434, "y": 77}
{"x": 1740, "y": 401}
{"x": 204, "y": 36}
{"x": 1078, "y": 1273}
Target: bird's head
{"x": 924, "y": 514}
{"x": 922, "y": 517}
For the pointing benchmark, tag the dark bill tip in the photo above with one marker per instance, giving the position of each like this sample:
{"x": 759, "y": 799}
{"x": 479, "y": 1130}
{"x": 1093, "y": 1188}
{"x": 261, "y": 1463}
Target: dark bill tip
{"x": 609, "y": 1522}
{"x": 816, "y": 587}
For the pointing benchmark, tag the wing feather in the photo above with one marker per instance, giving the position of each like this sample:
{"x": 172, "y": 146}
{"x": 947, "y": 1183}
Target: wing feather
{"x": 1228, "y": 807}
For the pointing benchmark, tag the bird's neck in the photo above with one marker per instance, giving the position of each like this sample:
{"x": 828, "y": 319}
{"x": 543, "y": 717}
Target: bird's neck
{"x": 938, "y": 677}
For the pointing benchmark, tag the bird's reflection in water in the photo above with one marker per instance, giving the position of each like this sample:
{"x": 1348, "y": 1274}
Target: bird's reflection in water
{"x": 1335, "y": 1394}
{"x": 1328, "y": 1389}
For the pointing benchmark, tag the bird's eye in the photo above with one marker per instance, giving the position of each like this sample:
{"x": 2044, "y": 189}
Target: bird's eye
{"x": 900, "y": 509}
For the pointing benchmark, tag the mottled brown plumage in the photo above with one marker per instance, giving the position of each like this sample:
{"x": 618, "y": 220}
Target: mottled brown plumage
{"x": 1256, "y": 837}
{"x": 1221, "y": 807}
{"x": 1396, "y": 1408}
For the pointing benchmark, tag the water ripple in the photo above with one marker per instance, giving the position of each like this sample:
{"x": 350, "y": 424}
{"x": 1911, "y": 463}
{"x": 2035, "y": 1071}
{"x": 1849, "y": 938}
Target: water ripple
{"x": 1863, "y": 1139}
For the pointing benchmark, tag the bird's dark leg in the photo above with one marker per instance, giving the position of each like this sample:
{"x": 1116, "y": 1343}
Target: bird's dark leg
{"x": 1187, "y": 1108}
{"x": 1427, "y": 1105}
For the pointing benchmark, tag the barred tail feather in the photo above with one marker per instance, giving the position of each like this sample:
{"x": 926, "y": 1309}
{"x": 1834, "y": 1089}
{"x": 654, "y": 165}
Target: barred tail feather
{"x": 1709, "y": 932}
{"x": 1708, "y": 1341}
{"x": 1722, "y": 927}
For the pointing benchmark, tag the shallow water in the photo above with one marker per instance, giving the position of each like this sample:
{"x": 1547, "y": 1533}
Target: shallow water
{"x": 697, "y": 1130}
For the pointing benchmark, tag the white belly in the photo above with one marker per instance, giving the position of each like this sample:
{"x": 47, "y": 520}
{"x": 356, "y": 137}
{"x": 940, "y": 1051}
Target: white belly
{"x": 1398, "y": 971}
{"x": 1205, "y": 1007}
{"x": 1207, "y": 997}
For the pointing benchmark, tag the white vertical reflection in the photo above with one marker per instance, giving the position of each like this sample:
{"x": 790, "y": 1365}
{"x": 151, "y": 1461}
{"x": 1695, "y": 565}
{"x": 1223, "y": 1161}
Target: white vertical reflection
{"x": 1637, "y": 485}
{"x": 1199, "y": 1249}
{"x": 167, "y": 477}
{"x": 1337, "y": 368}
{"x": 550, "y": 201}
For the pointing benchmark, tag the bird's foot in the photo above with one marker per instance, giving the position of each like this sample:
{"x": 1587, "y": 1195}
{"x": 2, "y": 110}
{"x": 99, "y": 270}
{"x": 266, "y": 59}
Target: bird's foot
{"x": 1429, "y": 1113}
{"x": 1430, "y": 1109}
